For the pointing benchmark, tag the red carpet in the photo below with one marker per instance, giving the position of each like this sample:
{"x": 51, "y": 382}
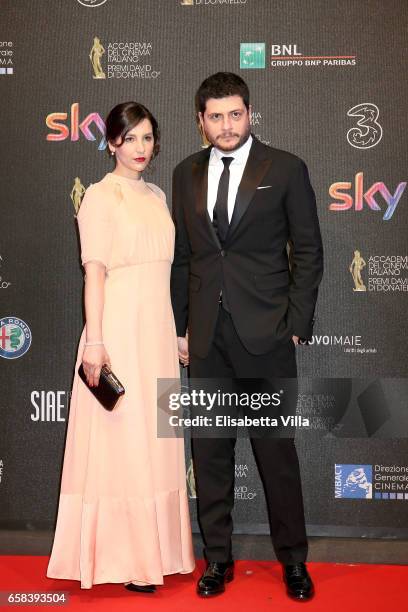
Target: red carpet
{"x": 257, "y": 586}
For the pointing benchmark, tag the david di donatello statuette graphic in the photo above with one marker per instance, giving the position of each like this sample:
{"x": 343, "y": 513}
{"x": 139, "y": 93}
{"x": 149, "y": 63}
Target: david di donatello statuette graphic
{"x": 240, "y": 311}
{"x": 356, "y": 267}
{"x": 77, "y": 193}
{"x": 95, "y": 56}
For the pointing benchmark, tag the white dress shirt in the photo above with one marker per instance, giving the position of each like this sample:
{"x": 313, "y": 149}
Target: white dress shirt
{"x": 215, "y": 168}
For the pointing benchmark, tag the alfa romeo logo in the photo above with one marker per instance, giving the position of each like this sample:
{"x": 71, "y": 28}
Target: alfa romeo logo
{"x": 15, "y": 337}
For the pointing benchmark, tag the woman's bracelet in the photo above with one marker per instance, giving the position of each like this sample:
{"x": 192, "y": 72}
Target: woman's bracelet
{"x": 98, "y": 343}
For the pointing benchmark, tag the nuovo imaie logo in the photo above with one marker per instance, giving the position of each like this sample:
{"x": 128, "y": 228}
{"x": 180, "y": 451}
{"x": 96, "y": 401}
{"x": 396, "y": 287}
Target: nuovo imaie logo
{"x": 15, "y": 337}
{"x": 353, "y": 481}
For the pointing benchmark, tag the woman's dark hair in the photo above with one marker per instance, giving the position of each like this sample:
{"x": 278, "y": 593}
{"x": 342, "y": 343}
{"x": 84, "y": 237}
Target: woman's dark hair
{"x": 123, "y": 118}
{"x": 221, "y": 85}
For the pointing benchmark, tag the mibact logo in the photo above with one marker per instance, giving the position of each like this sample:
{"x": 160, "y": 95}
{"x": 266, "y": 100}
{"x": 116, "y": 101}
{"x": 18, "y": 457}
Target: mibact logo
{"x": 71, "y": 129}
{"x": 353, "y": 481}
{"x": 336, "y": 191}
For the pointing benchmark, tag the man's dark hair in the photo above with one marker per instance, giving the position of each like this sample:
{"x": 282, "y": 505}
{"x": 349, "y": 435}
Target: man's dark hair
{"x": 221, "y": 85}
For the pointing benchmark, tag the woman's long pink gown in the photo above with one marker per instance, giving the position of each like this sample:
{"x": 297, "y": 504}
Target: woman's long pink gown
{"x": 123, "y": 510}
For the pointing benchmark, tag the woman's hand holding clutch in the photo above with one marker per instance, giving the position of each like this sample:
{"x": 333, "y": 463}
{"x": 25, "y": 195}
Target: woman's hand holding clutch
{"x": 93, "y": 358}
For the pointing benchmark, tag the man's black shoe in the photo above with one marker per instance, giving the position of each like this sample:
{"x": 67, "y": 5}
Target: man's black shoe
{"x": 212, "y": 582}
{"x": 299, "y": 585}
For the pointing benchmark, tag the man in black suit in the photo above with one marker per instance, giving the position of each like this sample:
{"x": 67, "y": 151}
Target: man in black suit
{"x": 240, "y": 308}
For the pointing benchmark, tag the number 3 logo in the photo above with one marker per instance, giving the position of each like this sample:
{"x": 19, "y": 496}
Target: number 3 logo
{"x": 368, "y": 132}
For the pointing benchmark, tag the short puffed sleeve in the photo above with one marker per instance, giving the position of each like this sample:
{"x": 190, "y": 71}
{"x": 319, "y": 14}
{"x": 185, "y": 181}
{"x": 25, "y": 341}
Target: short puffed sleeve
{"x": 95, "y": 225}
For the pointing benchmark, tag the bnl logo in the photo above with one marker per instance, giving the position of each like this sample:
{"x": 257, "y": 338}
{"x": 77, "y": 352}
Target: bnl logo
{"x": 252, "y": 55}
{"x": 353, "y": 481}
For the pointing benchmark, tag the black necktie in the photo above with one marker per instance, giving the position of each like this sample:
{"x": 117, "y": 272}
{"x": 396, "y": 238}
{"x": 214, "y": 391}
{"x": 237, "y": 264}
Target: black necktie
{"x": 220, "y": 213}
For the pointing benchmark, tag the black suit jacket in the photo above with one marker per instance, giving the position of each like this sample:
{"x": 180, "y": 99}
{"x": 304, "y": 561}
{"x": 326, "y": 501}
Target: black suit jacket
{"x": 269, "y": 299}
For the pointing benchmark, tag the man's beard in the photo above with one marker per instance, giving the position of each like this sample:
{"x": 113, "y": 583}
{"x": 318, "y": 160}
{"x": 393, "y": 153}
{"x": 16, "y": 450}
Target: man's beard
{"x": 242, "y": 140}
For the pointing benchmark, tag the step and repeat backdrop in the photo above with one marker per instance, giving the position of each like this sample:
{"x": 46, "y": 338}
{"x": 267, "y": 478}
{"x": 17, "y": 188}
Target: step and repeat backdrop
{"x": 328, "y": 83}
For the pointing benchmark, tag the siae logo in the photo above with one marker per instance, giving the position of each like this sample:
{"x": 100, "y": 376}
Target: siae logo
{"x": 336, "y": 191}
{"x": 54, "y": 122}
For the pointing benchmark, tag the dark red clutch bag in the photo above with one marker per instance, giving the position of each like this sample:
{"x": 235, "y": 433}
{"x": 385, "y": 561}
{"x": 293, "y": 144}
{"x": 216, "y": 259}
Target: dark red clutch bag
{"x": 109, "y": 389}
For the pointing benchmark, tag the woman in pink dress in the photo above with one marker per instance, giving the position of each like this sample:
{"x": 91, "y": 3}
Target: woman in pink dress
{"x": 123, "y": 512}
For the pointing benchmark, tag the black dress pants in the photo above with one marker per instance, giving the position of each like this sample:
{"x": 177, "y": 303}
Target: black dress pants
{"x": 276, "y": 458}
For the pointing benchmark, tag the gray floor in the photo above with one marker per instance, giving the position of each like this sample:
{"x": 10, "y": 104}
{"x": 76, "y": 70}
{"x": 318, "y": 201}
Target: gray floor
{"x": 323, "y": 549}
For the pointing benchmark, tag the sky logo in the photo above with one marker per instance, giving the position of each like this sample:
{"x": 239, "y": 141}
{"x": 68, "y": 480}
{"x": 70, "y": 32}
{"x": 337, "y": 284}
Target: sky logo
{"x": 61, "y": 131}
{"x": 362, "y": 198}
